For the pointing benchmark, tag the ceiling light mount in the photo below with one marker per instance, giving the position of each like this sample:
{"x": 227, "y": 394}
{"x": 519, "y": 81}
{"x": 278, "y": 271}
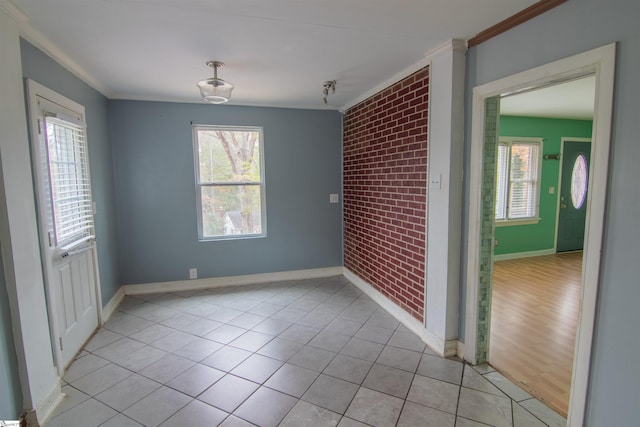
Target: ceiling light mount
{"x": 328, "y": 87}
{"x": 215, "y": 90}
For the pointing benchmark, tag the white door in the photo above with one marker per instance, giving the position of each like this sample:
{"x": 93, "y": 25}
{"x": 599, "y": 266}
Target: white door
{"x": 65, "y": 219}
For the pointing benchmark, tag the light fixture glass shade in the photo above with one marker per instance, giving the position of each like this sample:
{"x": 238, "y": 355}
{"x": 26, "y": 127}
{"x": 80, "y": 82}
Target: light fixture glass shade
{"x": 215, "y": 90}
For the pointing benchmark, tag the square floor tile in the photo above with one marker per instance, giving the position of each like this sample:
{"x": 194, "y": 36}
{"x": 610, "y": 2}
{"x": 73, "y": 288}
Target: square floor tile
{"x": 299, "y": 333}
{"x": 201, "y": 327}
{"x": 89, "y": 413}
{"x": 306, "y": 414}
{"x": 233, "y": 421}
{"x": 226, "y": 358}
{"x": 224, "y": 314}
{"x": 312, "y": 358}
{"x": 225, "y": 333}
{"x": 485, "y": 408}
{"x": 101, "y": 379}
{"x": 228, "y": 393}
{"x": 251, "y": 341}
{"x": 362, "y": 349}
{"x": 543, "y": 412}
{"x": 195, "y": 380}
{"x": 127, "y": 392}
{"x": 406, "y": 340}
{"x": 509, "y": 388}
{"x": 348, "y": 422}
{"x": 328, "y": 340}
{"x": 417, "y": 415}
{"x": 348, "y": 368}
{"x": 102, "y": 338}
{"x": 472, "y": 379}
{"x": 331, "y": 393}
{"x": 72, "y": 397}
{"x": 257, "y": 368}
{"x": 196, "y": 413}
{"x": 374, "y": 333}
{"x": 343, "y": 326}
{"x": 198, "y": 349}
{"x": 117, "y": 349}
{"x": 141, "y": 358}
{"x": 174, "y": 341}
{"x": 280, "y": 349}
{"x": 152, "y": 333}
{"x": 292, "y": 379}
{"x": 157, "y": 406}
{"x": 388, "y": 380}
{"x": 167, "y": 368}
{"x": 524, "y": 418}
{"x": 441, "y": 369}
{"x": 129, "y": 326}
{"x": 375, "y": 408}
{"x": 266, "y": 309}
{"x": 272, "y": 326}
{"x": 246, "y": 320}
{"x": 400, "y": 358}
{"x": 84, "y": 366}
{"x": 434, "y": 393}
{"x": 121, "y": 421}
{"x": 266, "y": 407}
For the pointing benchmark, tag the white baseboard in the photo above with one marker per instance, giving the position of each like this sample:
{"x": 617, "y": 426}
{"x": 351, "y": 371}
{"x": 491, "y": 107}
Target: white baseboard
{"x": 435, "y": 343}
{"x": 529, "y": 254}
{"x": 460, "y": 349}
{"x": 451, "y": 348}
{"x": 44, "y": 409}
{"x": 218, "y": 282}
{"x": 112, "y": 305}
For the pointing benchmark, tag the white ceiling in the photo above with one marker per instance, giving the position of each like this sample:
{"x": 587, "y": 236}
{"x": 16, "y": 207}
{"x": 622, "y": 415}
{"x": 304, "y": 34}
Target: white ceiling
{"x": 277, "y": 52}
{"x": 571, "y": 100}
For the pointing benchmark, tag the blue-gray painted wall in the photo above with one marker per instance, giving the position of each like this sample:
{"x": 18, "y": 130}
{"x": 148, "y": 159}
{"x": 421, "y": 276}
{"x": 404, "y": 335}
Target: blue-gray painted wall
{"x": 44, "y": 70}
{"x": 156, "y": 202}
{"x": 568, "y": 29}
{"x": 10, "y": 395}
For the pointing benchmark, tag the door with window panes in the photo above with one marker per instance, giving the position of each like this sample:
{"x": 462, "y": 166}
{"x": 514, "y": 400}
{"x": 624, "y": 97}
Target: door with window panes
{"x": 66, "y": 224}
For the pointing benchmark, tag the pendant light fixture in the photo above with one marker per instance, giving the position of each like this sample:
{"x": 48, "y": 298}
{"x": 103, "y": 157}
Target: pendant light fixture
{"x": 215, "y": 90}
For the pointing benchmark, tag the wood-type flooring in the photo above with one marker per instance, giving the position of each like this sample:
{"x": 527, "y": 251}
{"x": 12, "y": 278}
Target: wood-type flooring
{"x": 534, "y": 316}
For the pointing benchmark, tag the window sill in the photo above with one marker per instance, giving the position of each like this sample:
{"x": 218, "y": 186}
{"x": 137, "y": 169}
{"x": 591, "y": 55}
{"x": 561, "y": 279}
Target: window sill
{"x": 232, "y": 237}
{"x": 512, "y": 222}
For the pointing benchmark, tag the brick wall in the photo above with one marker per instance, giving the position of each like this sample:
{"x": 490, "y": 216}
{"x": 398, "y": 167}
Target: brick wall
{"x": 385, "y": 191}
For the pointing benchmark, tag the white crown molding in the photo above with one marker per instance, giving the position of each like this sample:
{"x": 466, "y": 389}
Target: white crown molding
{"x": 34, "y": 37}
{"x": 8, "y": 7}
{"x": 452, "y": 45}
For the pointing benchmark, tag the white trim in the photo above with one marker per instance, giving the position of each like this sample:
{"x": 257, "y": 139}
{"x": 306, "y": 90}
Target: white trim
{"x": 34, "y": 37}
{"x": 112, "y": 305}
{"x": 600, "y": 61}
{"x": 460, "y": 349}
{"x": 529, "y": 254}
{"x": 453, "y": 45}
{"x": 44, "y": 409}
{"x": 415, "y": 326}
{"x": 219, "y": 282}
{"x": 13, "y": 11}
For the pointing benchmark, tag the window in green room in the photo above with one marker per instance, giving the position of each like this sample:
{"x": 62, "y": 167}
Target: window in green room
{"x": 230, "y": 189}
{"x": 518, "y": 180}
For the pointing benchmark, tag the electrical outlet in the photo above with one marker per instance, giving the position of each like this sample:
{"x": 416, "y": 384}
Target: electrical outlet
{"x": 497, "y": 242}
{"x": 334, "y": 198}
{"x": 193, "y": 273}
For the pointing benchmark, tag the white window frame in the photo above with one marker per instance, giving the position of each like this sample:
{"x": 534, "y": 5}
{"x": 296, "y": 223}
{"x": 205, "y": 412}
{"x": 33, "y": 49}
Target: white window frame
{"x": 199, "y": 184}
{"x": 510, "y": 142}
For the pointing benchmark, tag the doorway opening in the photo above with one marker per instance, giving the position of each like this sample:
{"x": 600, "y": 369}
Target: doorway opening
{"x": 600, "y": 63}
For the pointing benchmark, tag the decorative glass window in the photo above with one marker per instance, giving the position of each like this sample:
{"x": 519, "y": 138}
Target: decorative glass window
{"x": 518, "y": 179}
{"x": 230, "y": 188}
{"x": 579, "y": 181}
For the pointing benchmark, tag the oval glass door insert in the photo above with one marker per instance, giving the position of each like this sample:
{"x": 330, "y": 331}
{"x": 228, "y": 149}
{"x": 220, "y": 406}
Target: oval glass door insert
{"x": 579, "y": 182}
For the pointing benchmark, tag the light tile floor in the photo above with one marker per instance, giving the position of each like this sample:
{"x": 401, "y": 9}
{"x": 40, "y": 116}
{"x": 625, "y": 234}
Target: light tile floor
{"x": 313, "y": 352}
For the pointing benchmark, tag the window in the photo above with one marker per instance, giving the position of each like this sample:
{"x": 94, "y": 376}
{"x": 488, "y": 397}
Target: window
{"x": 230, "y": 187}
{"x": 518, "y": 179}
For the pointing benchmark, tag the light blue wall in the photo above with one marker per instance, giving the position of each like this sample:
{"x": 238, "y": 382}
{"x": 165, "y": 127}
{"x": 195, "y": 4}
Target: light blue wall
{"x": 10, "y": 394}
{"x": 571, "y": 28}
{"x": 155, "y": 188}
{"x": 44, "y": 70}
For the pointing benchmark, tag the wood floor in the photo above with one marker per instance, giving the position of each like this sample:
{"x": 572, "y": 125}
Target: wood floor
{"x": 534, "y": 316}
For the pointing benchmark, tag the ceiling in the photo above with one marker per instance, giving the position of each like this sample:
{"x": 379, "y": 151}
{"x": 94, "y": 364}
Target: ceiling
{"x": 277, "y": 52}
{"x": 570, "y": 100}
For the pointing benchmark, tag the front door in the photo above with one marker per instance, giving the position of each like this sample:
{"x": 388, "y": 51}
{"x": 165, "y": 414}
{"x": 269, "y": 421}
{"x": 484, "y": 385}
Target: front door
{"x": 573, "y": 195}
{"x": 65, "y": 220}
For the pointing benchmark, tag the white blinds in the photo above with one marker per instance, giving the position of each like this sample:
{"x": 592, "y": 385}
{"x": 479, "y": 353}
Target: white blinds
{"x": 68, "y": 166}
{"x": 517, "y": 174}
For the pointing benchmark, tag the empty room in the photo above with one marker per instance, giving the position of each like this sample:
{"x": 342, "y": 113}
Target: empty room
{"x": 318, "y": 213}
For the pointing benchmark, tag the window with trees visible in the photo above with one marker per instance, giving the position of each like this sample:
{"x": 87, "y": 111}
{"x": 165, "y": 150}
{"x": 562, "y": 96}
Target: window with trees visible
{"x": 518, "y": 179}
{"x": 230, "y": 187}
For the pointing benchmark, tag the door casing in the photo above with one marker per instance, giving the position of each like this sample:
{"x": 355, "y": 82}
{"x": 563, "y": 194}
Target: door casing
{"x": 601, "y": 63}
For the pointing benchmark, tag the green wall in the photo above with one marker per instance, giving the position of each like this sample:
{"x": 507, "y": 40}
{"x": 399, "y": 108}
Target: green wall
{"x": 540, "y": 236}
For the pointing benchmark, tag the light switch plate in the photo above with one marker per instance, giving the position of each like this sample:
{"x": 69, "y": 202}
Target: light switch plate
{"x": 435, "y": 182}
{"x": 334, "y": 198}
